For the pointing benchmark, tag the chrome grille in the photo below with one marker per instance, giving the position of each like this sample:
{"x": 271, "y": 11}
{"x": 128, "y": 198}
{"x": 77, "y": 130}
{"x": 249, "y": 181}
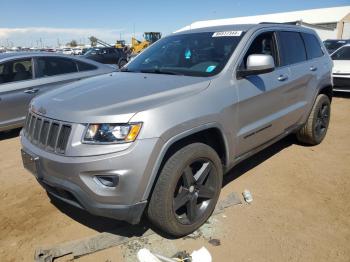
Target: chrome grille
{"x": 49, "y": 134}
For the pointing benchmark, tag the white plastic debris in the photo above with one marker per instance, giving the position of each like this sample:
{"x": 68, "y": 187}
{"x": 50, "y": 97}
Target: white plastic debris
{"x": 247, "y": 196}
{"x": 201, "y": 255}
{"x": 144, "y": 255}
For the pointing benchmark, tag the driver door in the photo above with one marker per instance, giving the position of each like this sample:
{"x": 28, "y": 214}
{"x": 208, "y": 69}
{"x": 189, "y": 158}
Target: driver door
{"x": 260, "y": 98}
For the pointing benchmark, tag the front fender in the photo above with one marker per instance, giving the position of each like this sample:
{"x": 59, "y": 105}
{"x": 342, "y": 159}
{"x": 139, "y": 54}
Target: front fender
{"x": 170, "y": 141}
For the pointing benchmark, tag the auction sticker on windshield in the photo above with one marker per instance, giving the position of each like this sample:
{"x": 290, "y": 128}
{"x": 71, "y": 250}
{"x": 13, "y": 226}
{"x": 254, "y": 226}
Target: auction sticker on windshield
{"x": 227, "y": 33}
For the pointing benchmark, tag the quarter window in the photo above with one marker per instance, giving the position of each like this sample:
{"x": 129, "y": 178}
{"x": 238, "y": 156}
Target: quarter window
{"x": 85, "y": 66}
{"x": 16, "y": 70}
{"x": 292, "y": 49}
{"x": 51, "y": 66}
{"x": 312, "y": 45}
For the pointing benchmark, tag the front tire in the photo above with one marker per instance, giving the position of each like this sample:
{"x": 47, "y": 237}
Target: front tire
{"x": 316, "y": 126}
{"x": 187, "y": 190}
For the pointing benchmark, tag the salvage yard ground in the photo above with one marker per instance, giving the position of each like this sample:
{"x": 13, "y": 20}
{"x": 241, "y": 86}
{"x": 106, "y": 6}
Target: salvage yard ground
{"x": 300, "y": 212}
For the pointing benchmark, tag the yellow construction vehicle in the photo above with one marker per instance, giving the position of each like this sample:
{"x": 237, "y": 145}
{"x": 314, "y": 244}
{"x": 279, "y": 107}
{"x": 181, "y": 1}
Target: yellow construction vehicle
{"x": 120, "y": 44}
{"x": 150, "y": 37}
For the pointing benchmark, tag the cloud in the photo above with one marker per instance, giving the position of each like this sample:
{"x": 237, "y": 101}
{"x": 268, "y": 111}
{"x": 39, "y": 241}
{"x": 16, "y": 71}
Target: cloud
{"x": 49, "y": 36}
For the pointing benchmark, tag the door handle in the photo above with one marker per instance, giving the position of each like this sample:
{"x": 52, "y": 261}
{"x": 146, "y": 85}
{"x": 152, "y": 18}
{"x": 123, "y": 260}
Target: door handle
{"x": 282, "y": 78}
{"x": 31, "y": 90}
{"x": 313, "y": 68}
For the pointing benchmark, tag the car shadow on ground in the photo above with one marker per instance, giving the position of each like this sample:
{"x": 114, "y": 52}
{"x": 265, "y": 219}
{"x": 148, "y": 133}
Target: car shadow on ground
{"x": 116, "y": 227}
{"x": 100, "y": 224}
{"x": 257, "y": 159}
{"x": 9, "y": 134}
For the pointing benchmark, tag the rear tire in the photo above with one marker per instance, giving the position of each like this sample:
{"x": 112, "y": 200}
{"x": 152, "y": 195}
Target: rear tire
{"x": 187, "y": 190}
{"x": 316, "y": 126}
{"x": 122, "y": 63}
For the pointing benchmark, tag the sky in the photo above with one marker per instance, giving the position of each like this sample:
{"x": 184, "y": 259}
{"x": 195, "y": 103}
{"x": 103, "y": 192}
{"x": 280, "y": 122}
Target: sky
{"x": 49, "y": 23}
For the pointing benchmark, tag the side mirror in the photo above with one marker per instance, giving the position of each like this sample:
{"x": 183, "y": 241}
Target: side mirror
{"x": 257, "y": 64}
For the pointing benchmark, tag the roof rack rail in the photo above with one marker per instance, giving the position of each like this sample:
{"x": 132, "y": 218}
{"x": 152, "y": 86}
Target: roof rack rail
{"x": 283, "y": 23}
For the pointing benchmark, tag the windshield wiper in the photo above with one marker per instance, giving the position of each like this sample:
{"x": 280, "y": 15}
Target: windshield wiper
{"x": 158, "y": 71}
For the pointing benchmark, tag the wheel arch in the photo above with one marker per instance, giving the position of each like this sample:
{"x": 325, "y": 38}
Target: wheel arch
{"x": 327, "y": 90}
{"x": 210, "y": 134}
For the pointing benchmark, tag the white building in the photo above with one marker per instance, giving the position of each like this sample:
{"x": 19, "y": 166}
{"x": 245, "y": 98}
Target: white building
{"x": 329, "y": 23}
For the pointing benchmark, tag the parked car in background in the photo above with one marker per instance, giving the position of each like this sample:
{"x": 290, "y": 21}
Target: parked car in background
{"x": 158, "y": 136}
{"x": 77, "y": 51}
{"x": 341, "y": 69}
{"x": 107, "y": 55}
{"x": 25, "y": 75}
{"x": 85, "y": 49}
{"x": 67, "y": 51}
{"x": 334, "y": 44}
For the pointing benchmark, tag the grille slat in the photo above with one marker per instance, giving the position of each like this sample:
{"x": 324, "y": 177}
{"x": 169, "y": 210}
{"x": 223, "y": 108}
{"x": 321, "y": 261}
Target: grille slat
{"x": 51, "y": 141}
{"x": 44, "y": 133}
{"x": 63, "y": 138}
{"x": 31, "y": 126}
{"x": 37, "y": 129}
{"x": 47, "y": 134}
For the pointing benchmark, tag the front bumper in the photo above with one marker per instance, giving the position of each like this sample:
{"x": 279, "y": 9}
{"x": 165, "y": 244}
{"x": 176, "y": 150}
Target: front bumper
{"x": 73, "y": 179}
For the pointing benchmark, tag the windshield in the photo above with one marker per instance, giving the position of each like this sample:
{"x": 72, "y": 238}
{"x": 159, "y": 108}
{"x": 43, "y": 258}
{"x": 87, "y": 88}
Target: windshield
{"x": 342, "y": 54}
{"x": 197, "y": 54}
{"x": 333, "y": 45}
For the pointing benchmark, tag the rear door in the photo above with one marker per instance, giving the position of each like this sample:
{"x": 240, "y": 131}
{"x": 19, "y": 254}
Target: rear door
{"x": 302, "y": 80}
{"x": 261, "y": 97}
{"x": 16, "y": 91}
{"x": 53, "y": 72}
{"x": 316, "y": 64}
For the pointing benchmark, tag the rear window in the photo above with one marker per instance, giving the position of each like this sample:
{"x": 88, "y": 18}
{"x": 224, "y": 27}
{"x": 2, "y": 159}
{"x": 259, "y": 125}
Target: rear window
{"x": 85, "y": 66}
{"x": 312, "y": 45}
{"x": 292, "y": 49}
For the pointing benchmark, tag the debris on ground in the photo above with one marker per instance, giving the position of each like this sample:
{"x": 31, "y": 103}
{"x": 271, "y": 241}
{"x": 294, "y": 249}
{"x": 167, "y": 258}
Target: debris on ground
{"x": 215, "y": 242}
{"x": 201, "y": 255}
{"x": 144, "y": 255}
{"x": 78, "y": 248}
{"x": 182, "y": 256}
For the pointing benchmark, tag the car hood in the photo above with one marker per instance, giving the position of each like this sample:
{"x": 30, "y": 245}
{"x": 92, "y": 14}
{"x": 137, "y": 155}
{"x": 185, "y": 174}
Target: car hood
{"x": 115, "y": 97}
{"x": 341, "y": 66}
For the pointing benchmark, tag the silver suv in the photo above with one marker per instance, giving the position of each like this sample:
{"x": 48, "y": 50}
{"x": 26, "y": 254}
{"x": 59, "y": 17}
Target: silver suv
{"x": 157, "y": 137}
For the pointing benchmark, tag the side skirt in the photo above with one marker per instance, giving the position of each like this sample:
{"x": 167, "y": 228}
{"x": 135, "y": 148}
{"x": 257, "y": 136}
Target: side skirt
{"x": 255, "y": 150}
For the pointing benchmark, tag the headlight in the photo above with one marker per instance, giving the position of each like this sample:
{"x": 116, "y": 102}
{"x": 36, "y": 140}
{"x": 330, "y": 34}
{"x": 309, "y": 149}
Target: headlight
{"x": 111, "y": 133}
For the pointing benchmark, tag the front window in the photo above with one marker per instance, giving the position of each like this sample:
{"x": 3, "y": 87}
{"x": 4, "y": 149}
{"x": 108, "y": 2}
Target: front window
{"x": 196, "y": 54}
{"x": 342, "y": 54}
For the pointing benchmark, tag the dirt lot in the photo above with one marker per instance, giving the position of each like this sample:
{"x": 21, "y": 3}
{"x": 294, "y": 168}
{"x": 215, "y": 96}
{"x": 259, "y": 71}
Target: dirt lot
{"x": 300, "y": 212}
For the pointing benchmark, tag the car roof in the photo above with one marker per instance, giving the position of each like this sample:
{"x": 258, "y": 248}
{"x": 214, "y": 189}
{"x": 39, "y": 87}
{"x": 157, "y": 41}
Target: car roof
{"x": 244, "y": 27}
{"x": 18, "y": 55}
